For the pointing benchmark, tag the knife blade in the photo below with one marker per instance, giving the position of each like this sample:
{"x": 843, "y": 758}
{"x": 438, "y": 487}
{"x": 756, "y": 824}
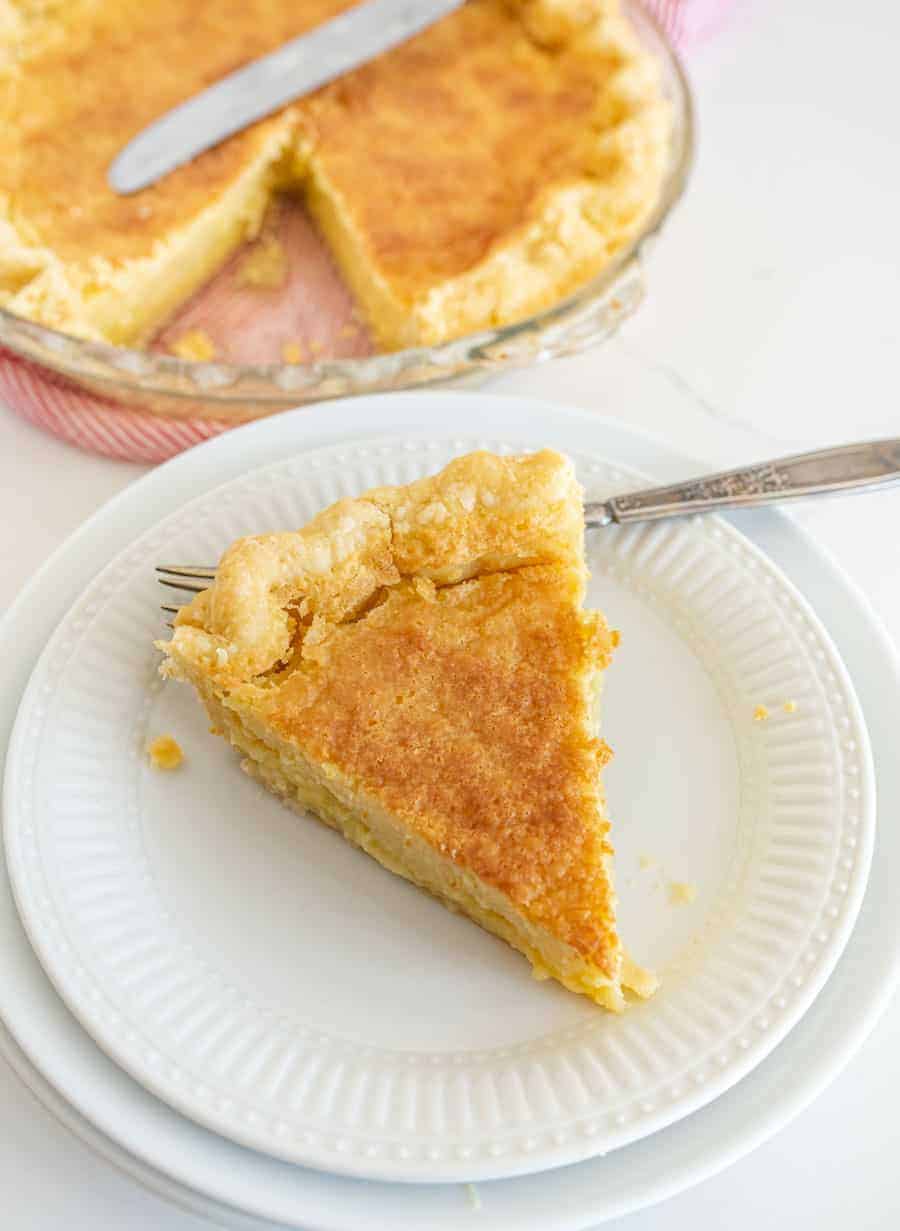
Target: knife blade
{"x": 256, "y": 90}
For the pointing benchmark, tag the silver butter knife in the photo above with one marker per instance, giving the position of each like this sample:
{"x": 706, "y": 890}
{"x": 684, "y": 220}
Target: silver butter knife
{"x": 847, "y": 468}
{"x": 255, "y": 91}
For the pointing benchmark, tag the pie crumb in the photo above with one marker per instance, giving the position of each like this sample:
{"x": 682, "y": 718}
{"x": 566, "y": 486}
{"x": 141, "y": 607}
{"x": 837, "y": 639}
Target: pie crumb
{"x": 790, "y": 707}
{"x": 165, "y": 752}
{"x": 681, "y": 893}
{"x": 265, "y": 265}
{"x": 292, "y": 352}
{"x": 760, "y": 714}
{"x": 195, "y": 344}
{"x": 646, "y": 861}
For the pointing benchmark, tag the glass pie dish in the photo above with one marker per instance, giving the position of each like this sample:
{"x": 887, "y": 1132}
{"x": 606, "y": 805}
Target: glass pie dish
{"x": 228, "y": 393}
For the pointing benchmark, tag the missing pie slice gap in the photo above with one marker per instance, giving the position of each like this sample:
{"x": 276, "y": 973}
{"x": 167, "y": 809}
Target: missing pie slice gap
{"x": 416, "y": 669}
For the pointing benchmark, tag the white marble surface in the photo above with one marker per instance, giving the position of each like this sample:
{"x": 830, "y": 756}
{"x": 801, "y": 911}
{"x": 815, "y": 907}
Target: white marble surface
{"x": 771, "y": 325}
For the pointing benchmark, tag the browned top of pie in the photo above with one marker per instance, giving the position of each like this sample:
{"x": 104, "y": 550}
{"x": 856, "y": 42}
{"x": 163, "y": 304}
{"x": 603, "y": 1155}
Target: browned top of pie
{"x": 465, "y": 712}
{"x": 464, "y": 127}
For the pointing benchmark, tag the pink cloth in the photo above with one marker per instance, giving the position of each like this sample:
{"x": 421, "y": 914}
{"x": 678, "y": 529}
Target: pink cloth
{"x": 229, "y": 316}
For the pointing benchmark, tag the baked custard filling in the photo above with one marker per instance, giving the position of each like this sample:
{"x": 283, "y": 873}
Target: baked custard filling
{"x": 468, "y": 178}
{"x": 415, "y": 668}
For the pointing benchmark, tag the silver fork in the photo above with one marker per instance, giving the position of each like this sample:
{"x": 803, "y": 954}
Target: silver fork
{"x": 848, "y": 468}
{"x": 183, "y": 577}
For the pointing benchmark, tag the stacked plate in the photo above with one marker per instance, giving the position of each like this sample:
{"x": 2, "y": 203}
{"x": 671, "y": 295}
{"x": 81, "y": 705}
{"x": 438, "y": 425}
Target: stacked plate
{"x": 253, "y": 1018}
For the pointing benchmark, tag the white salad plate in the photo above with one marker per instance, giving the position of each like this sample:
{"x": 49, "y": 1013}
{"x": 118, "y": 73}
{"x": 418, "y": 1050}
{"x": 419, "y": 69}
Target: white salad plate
{"x": 219, "y": 862}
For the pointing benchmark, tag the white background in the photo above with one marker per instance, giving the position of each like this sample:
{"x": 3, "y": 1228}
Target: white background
{"x": 772, "y": 324}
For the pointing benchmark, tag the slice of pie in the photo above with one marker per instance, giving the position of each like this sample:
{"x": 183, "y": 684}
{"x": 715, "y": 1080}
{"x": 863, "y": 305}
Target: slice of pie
{"x": 469, "y": 177}
{"x": 415, "y": 668}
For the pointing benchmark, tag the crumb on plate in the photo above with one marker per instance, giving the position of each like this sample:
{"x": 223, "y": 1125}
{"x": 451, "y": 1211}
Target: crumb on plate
{"x": 165, "y": 752}
{"x": 265, "y": 266}
{"x": 474, "y": 1197}
{"x": 195, "y": 344}
{"x": 681, "y": 893}
{"x": 760, "y": 714}
{"x": 646, "y": 861}
{"x": 790, "y": 707}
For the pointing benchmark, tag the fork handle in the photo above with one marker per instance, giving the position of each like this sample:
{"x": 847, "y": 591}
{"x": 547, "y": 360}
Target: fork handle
{"x": 870, "y": 463}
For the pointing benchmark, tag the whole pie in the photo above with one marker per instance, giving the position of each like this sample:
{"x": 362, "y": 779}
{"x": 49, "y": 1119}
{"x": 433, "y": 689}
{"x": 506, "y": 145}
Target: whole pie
{"x": 415, "y": 668}
{"x": 466, "y": 179}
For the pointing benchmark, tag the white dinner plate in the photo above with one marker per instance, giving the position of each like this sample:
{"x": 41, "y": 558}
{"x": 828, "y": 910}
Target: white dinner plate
{"x": 211, "y": 943}
{"x": 210, "y": 1175}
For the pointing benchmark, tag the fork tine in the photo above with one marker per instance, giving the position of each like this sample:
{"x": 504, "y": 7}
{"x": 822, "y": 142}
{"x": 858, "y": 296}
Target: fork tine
{"x": 198, "y": 572}
{"x": 181, "y": 585}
